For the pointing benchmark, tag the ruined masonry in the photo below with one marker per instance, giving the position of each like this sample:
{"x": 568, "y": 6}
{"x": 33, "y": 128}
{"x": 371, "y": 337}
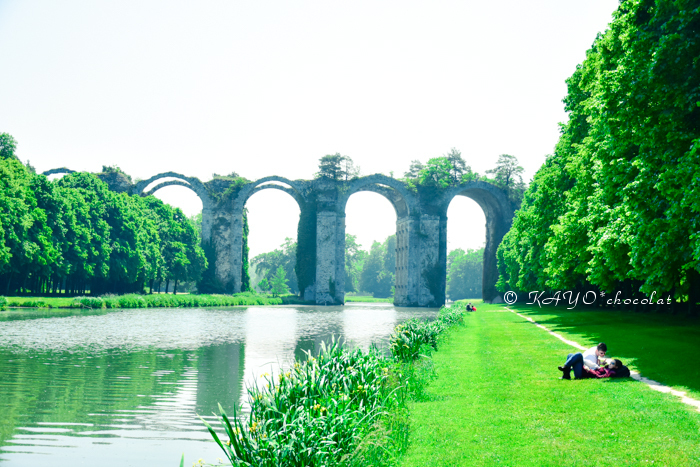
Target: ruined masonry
{"x": 421, "y": 230}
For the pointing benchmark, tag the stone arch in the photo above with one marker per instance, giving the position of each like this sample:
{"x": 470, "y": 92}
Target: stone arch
{"x": 405, "y": 206}
{"x": 61, "y": 170}
{"x": 498, "y": 212}
{"x": 296, "y": 190}
{"x": 188, "y": 182}
{"x": 393, "y": 190}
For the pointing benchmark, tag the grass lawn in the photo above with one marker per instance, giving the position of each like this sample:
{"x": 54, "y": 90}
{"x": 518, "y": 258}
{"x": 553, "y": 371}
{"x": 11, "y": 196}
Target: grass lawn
{"x": 659, "y": 346}
{"x": 498, "y": 400}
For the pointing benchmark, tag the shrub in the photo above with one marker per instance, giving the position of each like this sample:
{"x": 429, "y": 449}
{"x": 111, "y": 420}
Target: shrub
{"x": 343, "y": 408}
{"x": 3, "y": 303}
{"x": 315, "y": 414}
{"x": 87, "y": 302}
{"x": 413, "y": 338}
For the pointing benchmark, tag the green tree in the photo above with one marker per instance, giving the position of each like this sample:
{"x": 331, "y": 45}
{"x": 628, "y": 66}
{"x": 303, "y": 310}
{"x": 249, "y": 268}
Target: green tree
{"x": 337, "y": 167}
{"x": 414, "y": 170}
{"x": 279, "y": 283}
{"x": 508, "y": 175}
{"x": 616, "y": 205}
{"x": 464, "y": 273}
{"x": 266, "y": 264}
{"x": 8, "y": 146}
{"x": 354, "y": 260}
{"x": 459, "y": 167}
{"x": 264, "y": 285}
{"x": 374, "y": 278}
{"x": 436, "y": 173}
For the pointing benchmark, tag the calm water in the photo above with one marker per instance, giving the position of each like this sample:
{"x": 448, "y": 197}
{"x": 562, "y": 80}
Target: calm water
{"x": 124, "y": 387}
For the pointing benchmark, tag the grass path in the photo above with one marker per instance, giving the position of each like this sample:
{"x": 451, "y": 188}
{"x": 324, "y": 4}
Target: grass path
{"x": 497, "y": 400}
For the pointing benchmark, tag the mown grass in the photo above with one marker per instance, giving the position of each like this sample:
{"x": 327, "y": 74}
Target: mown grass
{"x": 498, "y": 400}
{"x": 340, "y": 408}
{"x": 148, "y": 301}
{"x": 367, "y": 299}
{"x": 657, "y": 345}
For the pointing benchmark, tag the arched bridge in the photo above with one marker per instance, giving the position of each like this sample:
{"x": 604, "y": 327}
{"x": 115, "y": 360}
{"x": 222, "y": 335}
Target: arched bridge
{"x": 421, "y": 229}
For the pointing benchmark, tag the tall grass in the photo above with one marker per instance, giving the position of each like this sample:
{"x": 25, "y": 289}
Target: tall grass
{"x": 166, "y": 300}
{"x": 341, "y": 408}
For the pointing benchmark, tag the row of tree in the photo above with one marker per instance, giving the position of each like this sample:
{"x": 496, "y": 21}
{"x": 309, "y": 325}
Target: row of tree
{"x": 617, "y": 206}
{"x": 371, "y": 272}
{"x": 75, "y": 236}
{"x": 365, "y": 271}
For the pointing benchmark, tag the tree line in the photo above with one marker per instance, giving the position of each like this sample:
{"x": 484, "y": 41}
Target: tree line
{"x": 617, "y": 205}
{"x": 368, "y": 271}
{"x": 76, "y": 236}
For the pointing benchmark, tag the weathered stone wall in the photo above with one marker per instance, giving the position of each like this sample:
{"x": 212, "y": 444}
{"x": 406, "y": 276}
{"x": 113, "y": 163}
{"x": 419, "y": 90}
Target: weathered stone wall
{"x": 328, "y": 242}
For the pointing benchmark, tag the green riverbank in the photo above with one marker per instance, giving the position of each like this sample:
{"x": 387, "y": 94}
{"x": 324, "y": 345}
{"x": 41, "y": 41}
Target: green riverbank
{"x": 148, "y": 301}
{"x": 367, "y": 299}
{"x": 498, "y": 399}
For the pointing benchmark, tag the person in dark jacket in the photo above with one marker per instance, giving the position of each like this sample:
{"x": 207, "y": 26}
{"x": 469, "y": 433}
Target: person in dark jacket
{"x": 605, "y": 371}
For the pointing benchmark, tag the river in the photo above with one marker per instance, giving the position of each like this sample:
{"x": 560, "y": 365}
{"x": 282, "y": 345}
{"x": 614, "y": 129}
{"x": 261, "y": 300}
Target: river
{"x": 125, "y": 387}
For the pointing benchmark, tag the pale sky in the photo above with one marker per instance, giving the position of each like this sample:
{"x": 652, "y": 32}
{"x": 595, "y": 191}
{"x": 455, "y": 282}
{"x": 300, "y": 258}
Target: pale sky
{"x": 269, "y": 87}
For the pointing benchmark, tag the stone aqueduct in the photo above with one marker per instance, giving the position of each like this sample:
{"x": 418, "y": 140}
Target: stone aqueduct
{"x": 421, "y": 229}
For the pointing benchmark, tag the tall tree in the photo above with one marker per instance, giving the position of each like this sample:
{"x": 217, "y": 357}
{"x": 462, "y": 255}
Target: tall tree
{"x": 458, "y": 166}
{"x": 508, "y": 175}
{"x": 8, "y": 145}
{"x": 337, "y": 167}
{"x": 279, "y": 283}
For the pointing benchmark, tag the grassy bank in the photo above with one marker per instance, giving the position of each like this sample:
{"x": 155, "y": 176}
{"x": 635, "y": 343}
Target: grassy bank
{"x": 367, "y": 299}
{"x": 654, "y": 344}
{"x": 339, "y": 408}
{"x": 498, "y": 400}
{"x": 149, "y": 301}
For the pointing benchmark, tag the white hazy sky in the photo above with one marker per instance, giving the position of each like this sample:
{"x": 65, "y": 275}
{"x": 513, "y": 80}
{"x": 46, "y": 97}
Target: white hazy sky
{"x": 268, "y": 87}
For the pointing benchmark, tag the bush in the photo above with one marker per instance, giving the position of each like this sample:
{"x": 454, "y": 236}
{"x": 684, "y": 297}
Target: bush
{"x": 413, "y": 338}
{"x": 3, "y": 303}
{"x": 87, "y": 302}
{"x": 315, "y": 414}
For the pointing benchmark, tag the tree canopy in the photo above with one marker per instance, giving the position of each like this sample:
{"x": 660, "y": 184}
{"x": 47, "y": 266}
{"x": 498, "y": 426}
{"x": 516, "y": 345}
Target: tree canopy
{"x": 617, "y": 205}
{"x": 74, "y": 235}
{"x": 337, "y": 167}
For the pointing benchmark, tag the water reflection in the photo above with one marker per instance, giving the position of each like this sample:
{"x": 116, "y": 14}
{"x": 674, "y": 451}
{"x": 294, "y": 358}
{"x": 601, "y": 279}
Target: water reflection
{"x": 125, "y": 387}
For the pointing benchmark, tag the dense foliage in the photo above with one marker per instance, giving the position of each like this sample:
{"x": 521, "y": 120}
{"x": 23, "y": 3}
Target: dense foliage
{"x": 452, "y": 170}
{"x": 617, "y": 204}
{"x": 74, "y": 235}
{"x": 337, "y": 167}
{"x": 267, "y": 265}
{"x": 465, "y": 273}
{"x": 379, "y": 268}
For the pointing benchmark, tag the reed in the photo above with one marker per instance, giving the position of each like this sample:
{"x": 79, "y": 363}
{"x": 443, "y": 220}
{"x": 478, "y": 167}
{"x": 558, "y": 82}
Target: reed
{"x": 340, "y": 408}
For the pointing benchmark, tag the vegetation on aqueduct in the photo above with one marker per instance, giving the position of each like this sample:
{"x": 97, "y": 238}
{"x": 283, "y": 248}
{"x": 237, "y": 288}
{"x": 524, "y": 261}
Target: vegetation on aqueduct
{"x": 617, "y": 206}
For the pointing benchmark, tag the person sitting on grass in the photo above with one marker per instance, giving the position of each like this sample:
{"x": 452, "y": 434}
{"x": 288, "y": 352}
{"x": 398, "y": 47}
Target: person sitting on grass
{"x": 470, "y": 307}
{"x": 609, "y": 369}
{"x": 577, "y": 361}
